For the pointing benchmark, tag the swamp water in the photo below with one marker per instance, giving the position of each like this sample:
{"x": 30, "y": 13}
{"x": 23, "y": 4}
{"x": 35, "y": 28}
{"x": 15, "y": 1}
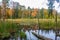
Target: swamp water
{"x": 45, "y": 33}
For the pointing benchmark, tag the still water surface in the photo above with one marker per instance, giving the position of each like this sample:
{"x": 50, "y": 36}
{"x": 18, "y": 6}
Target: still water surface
{"x": 48, "y": 34}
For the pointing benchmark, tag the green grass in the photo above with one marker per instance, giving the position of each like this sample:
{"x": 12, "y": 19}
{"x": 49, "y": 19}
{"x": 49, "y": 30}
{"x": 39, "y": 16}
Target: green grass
{"x": 6, "y": 28}
{"x": 44, "y": 23}
{"x": 10, "y": 24}
{"x": 22, "y": 34}
{"x": 30, "y": 20}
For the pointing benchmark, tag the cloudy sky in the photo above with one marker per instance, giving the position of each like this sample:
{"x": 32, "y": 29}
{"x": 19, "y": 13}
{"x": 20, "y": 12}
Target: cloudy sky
{"x": 36, "y": 3}
{"x": 33, "y": 3}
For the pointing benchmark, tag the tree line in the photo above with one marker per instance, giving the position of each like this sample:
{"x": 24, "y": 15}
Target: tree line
{"x": 32, "y": 13}
{"x": 29, "y": 13}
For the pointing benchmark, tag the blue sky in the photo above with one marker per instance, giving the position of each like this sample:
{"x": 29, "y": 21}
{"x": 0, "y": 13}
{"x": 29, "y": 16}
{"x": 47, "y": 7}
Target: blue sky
{"x": 36, "y": 3}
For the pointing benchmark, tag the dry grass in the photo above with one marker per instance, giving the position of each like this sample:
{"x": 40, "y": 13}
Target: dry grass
{"x": 26, "y": 20}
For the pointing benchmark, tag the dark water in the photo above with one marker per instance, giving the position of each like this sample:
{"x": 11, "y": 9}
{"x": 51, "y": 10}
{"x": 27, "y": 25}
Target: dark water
{"x": 48, "y": 34}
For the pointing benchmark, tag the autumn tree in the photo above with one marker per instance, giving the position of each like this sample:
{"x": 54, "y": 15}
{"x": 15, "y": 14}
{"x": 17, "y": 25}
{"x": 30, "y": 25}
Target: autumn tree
{"x": 34, "y": 13}
{"x": 0, "y": 12}
{"x": 19, "y": 13}
{"x": 4, "y": 4}
{"x": 50, "y": 7}
{"x": 15, "y": 13}
{"x": 8, "y": 13}
{"x": 29, "y": 12}
{"x": 42, "y": 13}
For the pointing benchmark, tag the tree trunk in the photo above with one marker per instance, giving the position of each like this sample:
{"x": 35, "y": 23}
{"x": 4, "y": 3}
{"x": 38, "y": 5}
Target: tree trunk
{"x": 3, "y": 10}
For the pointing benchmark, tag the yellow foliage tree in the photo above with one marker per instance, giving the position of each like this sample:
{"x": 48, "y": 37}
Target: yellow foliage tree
{"x": 34, "y": 12}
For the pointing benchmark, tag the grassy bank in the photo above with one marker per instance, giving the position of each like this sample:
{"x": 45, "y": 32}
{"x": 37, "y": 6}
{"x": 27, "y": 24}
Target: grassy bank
{"x": 43, "y": 23}
{"x": 6, "y": 28}
{"x": 10, "y": 29}
{"x": 10, "y": 26}
{"x": 30, "y": 20}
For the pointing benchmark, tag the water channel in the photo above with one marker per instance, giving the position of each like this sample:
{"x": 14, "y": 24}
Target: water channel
{"x": 45, "y": 33}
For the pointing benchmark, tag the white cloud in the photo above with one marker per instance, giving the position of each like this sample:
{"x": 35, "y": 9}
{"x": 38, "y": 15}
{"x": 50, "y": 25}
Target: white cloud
{"x": 36, "y": 3}
{"x": 0, "y": 0}
{"x": 56, "y": 6}
{"x": 33, "y": 3}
